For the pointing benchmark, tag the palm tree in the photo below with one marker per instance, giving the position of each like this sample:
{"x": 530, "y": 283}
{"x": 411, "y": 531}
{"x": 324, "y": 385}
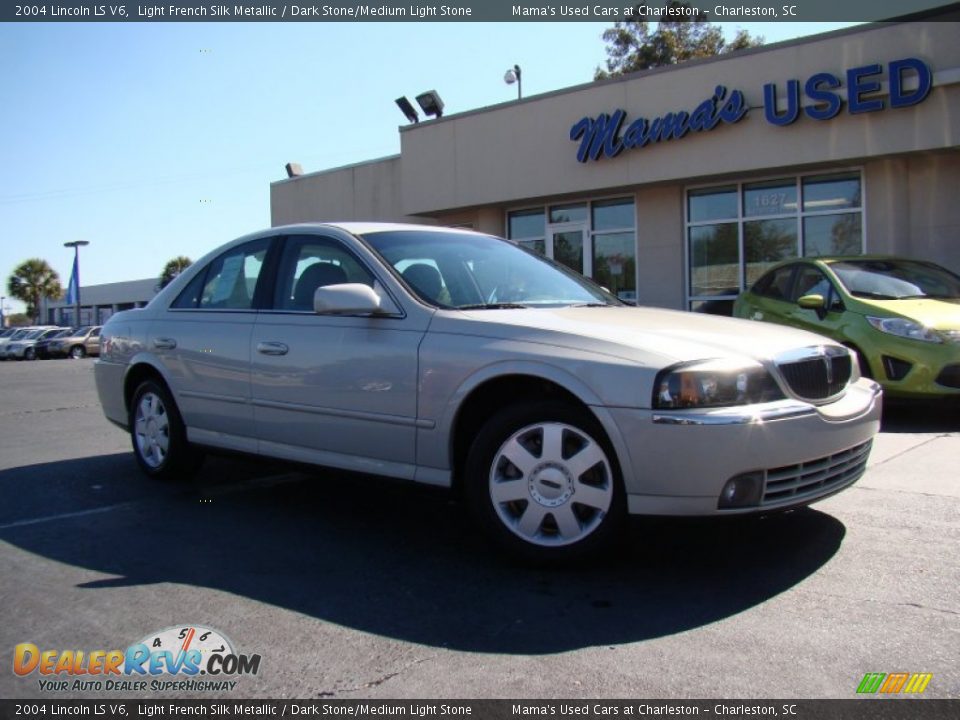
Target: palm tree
{"x": 172, "y": 269}
{"x": 31, "y": 281}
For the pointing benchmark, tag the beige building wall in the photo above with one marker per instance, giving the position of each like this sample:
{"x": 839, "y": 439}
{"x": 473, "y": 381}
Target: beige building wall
{"x": 523, "y": 149}
{"x": 365, "y": 191}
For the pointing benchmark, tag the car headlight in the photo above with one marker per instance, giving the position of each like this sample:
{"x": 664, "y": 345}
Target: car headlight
{"x": 904, "y": 328}
{"x": 713, "y": 383}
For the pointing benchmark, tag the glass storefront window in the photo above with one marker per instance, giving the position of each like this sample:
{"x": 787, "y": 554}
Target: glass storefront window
{"x": 714, "y": 260}
{"x": 538, "y": 245}
{"x": 615, "y": 263}
{"x": 766, "y": 242}
{"x": 568, "y": 249}
{"x": 612, "y": 214}
{"x": 526, "y": 224}
{"x": 831, "y": 192}
{"x": 712, "y": 204}
{"x": 777, "y": 197}
{"x": 736, "y": 232}
{"x": 832, "y": 235}
{"x": 574, "y": 212}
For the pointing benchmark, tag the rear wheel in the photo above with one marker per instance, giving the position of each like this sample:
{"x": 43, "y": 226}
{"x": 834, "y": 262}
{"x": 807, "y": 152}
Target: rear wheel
{"x": 29, "y": 354}
{"x": 77, "y": 352}
{"x": 543, "y": 482}
{"x": 159, "y": 435}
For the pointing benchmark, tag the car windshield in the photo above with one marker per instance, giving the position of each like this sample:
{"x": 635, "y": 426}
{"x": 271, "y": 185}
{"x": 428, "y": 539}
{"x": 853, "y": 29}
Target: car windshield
{"x": 63, "y": 333}
{"x": 897, "y": 279}
{"x": 82, "y": 330}
{"x": 34, "y": 334}
{"x": 456, "y": 270}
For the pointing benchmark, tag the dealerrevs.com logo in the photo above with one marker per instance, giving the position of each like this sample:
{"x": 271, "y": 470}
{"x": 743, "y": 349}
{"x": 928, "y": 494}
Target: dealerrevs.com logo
{"x": 179, "y": 658}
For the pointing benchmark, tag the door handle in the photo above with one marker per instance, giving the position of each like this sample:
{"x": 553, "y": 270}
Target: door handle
{"x": 272, "y": 348}
{"x": 164, "y": 343}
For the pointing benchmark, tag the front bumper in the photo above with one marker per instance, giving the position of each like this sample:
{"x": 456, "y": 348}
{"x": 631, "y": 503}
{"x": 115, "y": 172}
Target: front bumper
{"x": 677, "y": 462}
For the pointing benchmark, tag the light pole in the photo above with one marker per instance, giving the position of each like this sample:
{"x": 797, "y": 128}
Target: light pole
{"x": 3, "y": 314}
{"x": 512, "y": 76}
{"x": 75, "y": 276}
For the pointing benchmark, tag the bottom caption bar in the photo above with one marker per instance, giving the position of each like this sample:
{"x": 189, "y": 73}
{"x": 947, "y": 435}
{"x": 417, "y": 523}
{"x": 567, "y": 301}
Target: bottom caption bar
{"x": 868, "y": 709}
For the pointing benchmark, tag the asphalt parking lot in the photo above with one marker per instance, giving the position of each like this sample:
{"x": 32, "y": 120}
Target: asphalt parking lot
{"x": 353, "y": 587}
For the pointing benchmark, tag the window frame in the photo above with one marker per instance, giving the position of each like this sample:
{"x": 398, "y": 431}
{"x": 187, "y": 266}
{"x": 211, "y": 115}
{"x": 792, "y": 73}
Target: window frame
{"x": 264, "y": 284}
{"x": 741, "y": 218}
{"x": 590, "y": 234}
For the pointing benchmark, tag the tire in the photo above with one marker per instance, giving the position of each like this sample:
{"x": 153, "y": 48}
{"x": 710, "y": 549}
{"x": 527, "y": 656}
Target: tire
{"x": 29, "y": 354}
{"x": 78, "y": 352}
{"x": 534, "y": 503}
{"x": 159, "y": 436}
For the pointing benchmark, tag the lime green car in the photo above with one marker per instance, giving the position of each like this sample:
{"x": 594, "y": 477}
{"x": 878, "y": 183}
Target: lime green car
{"x": 901, "y": 316}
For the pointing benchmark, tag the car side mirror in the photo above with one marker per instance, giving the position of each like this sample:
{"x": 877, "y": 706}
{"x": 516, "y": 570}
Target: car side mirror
{"x": 813, "y": 302}
{"x": 346, "y": 299}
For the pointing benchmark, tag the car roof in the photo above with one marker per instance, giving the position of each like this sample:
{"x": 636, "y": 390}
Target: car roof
{"x": 367, "y": 228}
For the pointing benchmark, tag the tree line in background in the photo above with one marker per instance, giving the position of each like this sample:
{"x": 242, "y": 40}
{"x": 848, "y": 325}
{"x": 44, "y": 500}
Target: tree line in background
{"x": 34, "y": 280}
{"x": 633, "y": 45}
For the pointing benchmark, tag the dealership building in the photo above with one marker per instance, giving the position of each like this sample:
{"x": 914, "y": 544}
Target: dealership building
{"x": 678, "y": 186}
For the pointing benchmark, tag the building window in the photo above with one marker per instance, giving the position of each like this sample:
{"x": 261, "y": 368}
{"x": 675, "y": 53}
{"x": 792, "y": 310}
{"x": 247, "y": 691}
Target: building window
{"x": 735, "y": 232}
{"x": 596, "y": 238}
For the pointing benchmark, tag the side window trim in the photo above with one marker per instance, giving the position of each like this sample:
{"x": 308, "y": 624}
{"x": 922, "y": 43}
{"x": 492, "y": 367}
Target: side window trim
{"x": 264, "y": 278}
{"x": 271, "y": 300}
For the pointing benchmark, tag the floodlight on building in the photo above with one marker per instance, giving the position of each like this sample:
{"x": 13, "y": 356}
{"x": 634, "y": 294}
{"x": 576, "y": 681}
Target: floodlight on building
{"x": 430, "y": 103}
{"x": 512, "y": 76}
{"x": 407, "y": 109}
{"x": 294, "y": 170}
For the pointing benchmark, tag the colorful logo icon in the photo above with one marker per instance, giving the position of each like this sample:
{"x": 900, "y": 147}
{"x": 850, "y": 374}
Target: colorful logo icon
{"x": 910, "y": 683}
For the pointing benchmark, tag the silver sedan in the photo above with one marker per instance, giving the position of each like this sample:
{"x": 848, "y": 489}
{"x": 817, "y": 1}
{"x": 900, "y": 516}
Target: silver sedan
{"x": 459, "y": 359}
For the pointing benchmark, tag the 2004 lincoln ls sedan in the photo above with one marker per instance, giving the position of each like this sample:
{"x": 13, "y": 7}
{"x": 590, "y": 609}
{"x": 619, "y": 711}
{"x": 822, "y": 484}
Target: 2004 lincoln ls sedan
{"x": 459, "y": 359}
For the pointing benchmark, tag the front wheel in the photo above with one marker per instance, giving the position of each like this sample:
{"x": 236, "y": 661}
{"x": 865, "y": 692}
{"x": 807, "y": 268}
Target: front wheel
{"x": 29, "y": 354}
{"x": 543, "y": 482}
{"x": 159, "y": 436}
{"x": 78, "y": 352}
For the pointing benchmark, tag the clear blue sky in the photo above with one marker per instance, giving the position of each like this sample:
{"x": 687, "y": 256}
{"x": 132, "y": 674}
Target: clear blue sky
{"x": 157, "y": 140}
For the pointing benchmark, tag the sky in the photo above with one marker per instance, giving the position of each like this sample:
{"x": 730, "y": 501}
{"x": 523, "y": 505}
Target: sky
{"x": 153, "y": 140}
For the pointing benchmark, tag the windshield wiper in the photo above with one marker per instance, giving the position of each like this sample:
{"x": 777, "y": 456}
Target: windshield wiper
{"x": 590, "y": 304}
{"x": 493, "y": 306}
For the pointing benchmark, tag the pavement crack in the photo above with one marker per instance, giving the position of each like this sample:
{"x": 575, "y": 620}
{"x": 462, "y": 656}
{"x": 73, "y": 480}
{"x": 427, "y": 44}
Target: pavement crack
{"x": 22, "y": 413}
{"x": 888, "y": 603}
{"x": 376, "y": 682}
{"x": 910, "y": 449}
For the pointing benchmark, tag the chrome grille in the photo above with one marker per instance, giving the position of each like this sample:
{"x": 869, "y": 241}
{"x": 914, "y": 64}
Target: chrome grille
{"x": 822, "y": 373}
{"x": 815, "y": 477}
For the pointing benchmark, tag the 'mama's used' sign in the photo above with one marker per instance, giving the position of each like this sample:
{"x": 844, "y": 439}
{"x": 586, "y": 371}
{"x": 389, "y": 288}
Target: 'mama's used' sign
{"x": 605, "y": 136}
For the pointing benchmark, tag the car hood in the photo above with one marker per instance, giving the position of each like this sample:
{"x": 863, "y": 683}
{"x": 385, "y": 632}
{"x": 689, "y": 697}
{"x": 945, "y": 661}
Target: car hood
{"x": 937, "y": 314}
{"x": 650, "y": 336}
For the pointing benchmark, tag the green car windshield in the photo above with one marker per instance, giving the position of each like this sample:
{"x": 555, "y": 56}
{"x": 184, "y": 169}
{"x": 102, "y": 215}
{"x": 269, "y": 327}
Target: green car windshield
{"x": 897, "y": 279}
{"x": 455, "y": 270}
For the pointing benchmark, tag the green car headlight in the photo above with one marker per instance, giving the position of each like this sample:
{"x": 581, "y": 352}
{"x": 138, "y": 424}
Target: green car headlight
{"x": 713, "y": 383}
{"x": 904, "y": 328}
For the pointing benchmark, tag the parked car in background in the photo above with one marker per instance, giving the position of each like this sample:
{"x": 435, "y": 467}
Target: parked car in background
{"x": 81, "y": 342}
{"x": 24, "y": 348}
{"x": 42, "y": 346}
{"x": 459, "y": 359}
{"x": 901, "y": 316}
{"x": 17, "y": 334}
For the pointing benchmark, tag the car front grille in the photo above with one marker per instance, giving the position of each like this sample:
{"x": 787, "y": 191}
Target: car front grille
{"x": 815, "y": 477}
{"x": 822, "y": 373}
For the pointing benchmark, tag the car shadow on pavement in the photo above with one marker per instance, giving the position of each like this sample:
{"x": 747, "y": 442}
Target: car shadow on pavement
{"x": 920, "y": 416}
{"x": 404, "y": 562}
